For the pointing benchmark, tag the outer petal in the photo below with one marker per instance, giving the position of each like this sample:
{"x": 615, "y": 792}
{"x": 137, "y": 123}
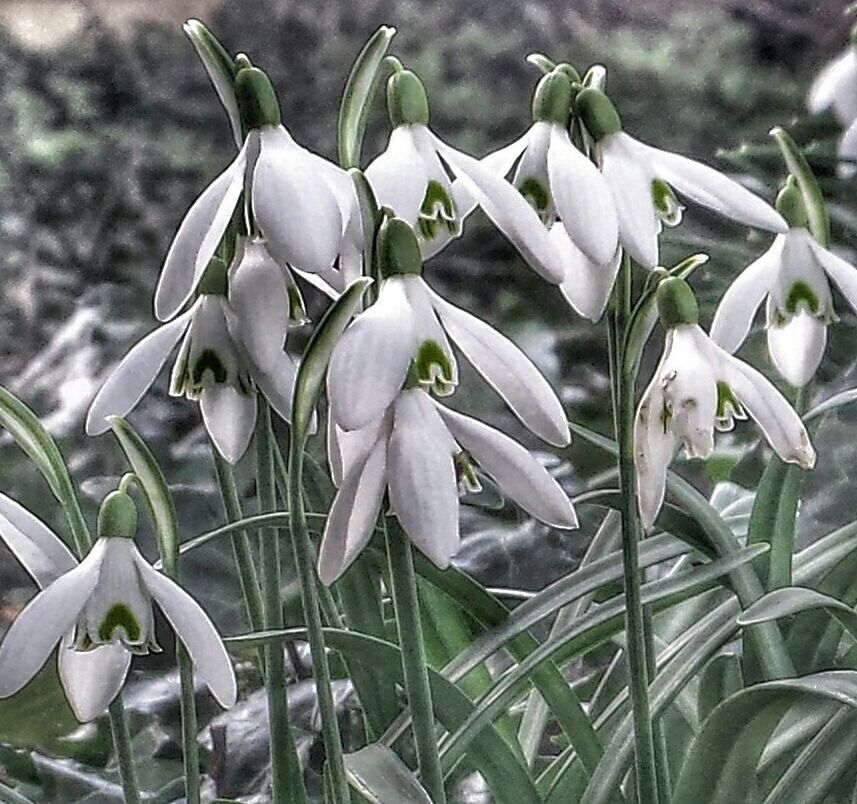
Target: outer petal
{"x": 277, "y": 384}
{"x": 354, "y": 513}
{"x": 229, "y": 417}
{"x": 399, "y": 176}
{"x": 198, "y": 236}
{"x": 370, "y": 362}
{"x": 297, "y": 211}
{"x": 34, "y": 544}
{"x": 503, "y": 159}
{"x": 93, "y": 678}
{"x": 797, "y": 347}
{"x": 346, "y": 449}
{"x": 712, "y": 189}
{"x": 421, "y": 476}
{"x": 508, "y": 370}
{"x": 737, "y": 308}
{"x": 135, "y": 374}
{"x": 843, "y": 274}
{"x": 583, "y": 199}
{"x": 196, "y": 631}
{"x": 43, "y": 622}
{"x": 835, "y": 86}
{"x": 509, "y": 211}
{"x": 587, "y": 286}
{"x": 518, "y": 474}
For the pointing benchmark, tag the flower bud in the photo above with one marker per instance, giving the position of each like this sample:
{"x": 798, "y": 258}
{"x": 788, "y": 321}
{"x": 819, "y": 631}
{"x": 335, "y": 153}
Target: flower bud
{"x": 790, "y": 204}
{"x": 398, "y": 249}
{"x": 598, "y": 113}
{"x": 676, "y": 303}
{"x": 407, "y": 103}
{"x": 257, "y": 100}
{"x": 117, "y": 517}
{"x": 214, "y": 280}
{"x": 552, "y": 98}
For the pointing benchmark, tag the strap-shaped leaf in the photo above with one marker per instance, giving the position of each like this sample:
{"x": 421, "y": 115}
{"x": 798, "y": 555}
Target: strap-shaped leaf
{"x": 795, "y": 599}
{"x": 377, "y": 773}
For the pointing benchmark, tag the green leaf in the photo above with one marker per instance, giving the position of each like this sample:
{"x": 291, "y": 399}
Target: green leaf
{"x": 370, "y": 219}
{"x": 377, "y": 774}
{"x": 357, "y": 96}
{"x": 10, "y": 796}
{"x": 317, "y": 355}
{"x": 834, "y": 402}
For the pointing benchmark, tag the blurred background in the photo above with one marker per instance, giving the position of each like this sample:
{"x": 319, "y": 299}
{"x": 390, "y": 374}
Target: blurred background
{"x": 109, "y": 129}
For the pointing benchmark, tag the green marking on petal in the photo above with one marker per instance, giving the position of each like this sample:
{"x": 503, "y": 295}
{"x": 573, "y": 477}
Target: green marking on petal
{"x": 800, "y": 293}
{"x": 438, "y": 210}
{"x": 728, "y": 407}
{"x": 208, "y": 360}
{"x": 668, "y": 208}
{"x": 537, "y": 195}
{"x": 434, "y": 368}
{"x": 120, "y": 616}
{"x": 297, "y": 310}
{"x": 465, "y": 474}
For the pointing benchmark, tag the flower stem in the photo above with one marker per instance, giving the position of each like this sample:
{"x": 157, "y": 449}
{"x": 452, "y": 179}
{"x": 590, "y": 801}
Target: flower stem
{"x": 414, "y": 663}
{"x": 305, "y": 565}
{"x": 124, "y": 756}
{"x": 190, "y": 749}
{"x": 287, "y": 779}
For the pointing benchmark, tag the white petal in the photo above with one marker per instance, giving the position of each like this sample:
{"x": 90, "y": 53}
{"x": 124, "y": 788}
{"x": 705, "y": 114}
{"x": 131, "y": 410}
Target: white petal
{"x": 229, "y": 417}
{"x": 843, "y": 274}
{"x": 631, "y": 187}
{"x": 92, "y": 678}
{"x": 835, "y": 86}
{"x": 43, "y": 622}
{"x": 135, "y": 374}
{"x": 421, "y": 476}
{"x": 370, "y": 362}
{"x": 587, "y": 286}
{"x": 509, "y": 371}
{"x": 399, "y": 176}
{"x": 583, "y": 199}
{"x": 712, "y": 189}
{"x": 518, "y": 474}
{"x": 196, "y": 631}
{"x": 503, "y": 159}
{"x": 257, "y": 294}
{"x": 296, "y": 210}
{"x": 41, "y": 552}
{"x": 797, "y": 347}
{"x": 846, "y": 150}
{"x": 509, "y": 211}
{"x": 277, "y": 384}
{"x": 354, "y": 512}
{"x": 197, "y": 238}
{"x": 737, "y": 308}
{"x": 347, "y": 448}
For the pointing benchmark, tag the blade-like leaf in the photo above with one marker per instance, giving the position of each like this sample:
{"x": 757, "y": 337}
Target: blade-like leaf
{"x": 795, "y": 599}
{"x": 379, "y": 776}
{"x": 839, "y": 400}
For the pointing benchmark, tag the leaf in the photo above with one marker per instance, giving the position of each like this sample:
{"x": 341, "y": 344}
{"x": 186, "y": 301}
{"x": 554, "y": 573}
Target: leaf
{"x": 377, "y": 774}
{"x": 370, "y": 220}
{"x": 10, "y": 796}
{"x": 357, "y": 96}
{"x": 317, "y": 355}
{"x": 834, "y": 402}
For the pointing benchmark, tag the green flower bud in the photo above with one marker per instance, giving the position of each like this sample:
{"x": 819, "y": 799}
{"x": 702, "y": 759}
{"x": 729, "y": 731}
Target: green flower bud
{"x": 257, "y": 100}
{"x": 552, "y": 98}
{"x": 117, "y": 517}
{"x": 676, "y": 303}
{"x": 398, "y": 249}
{"x": 790, "y": 204}
{"x": 598, "y": 113}
{"x": 407, "y": 103}
{"x": 214, "y": 280}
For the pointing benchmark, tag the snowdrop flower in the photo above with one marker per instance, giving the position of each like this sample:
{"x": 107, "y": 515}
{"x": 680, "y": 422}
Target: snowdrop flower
{"x": 100, "y": 611}
{"x": 409, "y": 329}
{"x": 793, "y": 275}
{"x": 642, "y": 180}
{"x": 304, "y": 205}
{"x": 422, "y": 453}
{"x": 230, "y": 349}
{"x": 836, "y": 86}
{"x": 698, "y": 387}
{"x": 410, "y": 177}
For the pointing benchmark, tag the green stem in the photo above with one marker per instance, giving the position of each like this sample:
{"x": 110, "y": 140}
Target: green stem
{"x": 414, "y": 664}
{"x": 190, "y": 727}
{"x": 124, "y": 756}
{"x": 305, "y": 565}
{"x": 286, "y": 776}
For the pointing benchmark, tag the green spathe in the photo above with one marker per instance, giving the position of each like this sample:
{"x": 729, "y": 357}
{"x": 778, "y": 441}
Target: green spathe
{"x": 398, "y": 249}
{"x": 598, "y": 113}
{"x": 791, "y": 206}
{"x": 676, "y": 303}
{"x": 257, "y": 100}
{"x": 407, "y": 103}
{"x": 117, "y": 518}
{"x": 552, "y": 98}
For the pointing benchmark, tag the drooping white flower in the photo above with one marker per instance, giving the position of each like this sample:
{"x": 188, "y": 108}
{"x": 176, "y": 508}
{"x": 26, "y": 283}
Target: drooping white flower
{"x": 421, "y": 452}
{"x": 793, "y": 276}
{"x": 642, "y": 180}
{"x": 305, "y": 206}
{"x": 411, "y": 324}
{"x": 836, "y": 86}
{"x": 697, "y": 388}
{"x": 231, "y": 347}
{"x": 100, "y": 613}
{"x": 411, "y": 177}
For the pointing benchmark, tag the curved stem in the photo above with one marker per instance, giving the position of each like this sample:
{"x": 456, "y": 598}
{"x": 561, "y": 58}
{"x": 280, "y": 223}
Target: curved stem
{"x": 190, "y": 726}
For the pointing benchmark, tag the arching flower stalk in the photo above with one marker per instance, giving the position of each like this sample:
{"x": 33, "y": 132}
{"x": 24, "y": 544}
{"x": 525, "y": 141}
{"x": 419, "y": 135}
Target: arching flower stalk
{"x": 699, "y": 388}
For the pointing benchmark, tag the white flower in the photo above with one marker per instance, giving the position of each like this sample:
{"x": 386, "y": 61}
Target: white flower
{"x": 103, "y": 605}
{"x": 421, "y": 451}
{"x": 305, "y": 207}
{"x": 836, "y": 86}
{"x": 793, "y": 275}
{"x": 642, "y": 180}
{"x": 698, "y": 387}
{"x": 846, "y": 150}
{"x": 230, "y": 349}
{"x": 411, "y": 324}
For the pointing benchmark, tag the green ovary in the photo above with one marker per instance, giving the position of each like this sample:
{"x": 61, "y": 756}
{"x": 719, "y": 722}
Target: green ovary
{"x": 119, "y": 616}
